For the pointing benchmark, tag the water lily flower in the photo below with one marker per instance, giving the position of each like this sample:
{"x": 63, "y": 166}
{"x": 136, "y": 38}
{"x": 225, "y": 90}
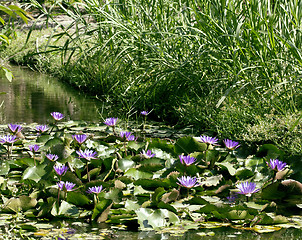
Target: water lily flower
{"x": 232, "y": 198}
{"x": 188, "y": 182}
{"x": 144, "y": 113}
{"x": 111, "y": 121}
{"x": 148, "y": 154}
{"x": 187, "y": 160}
{"x": 60, "y": 169}
{"x": 131, "y": 138}
{"x": 57, "y": 116}
{"x": 276, "y": 165}
{"x": 209, "y": 140}
{"x": 231, "y": 145}
{"x": 68, "y": 186}
{"x": 87, "y": 154}
{"x": 247, "y": 188}
{"x": 14, "y": 128}
{"x": 34, "y": 148}
{"x": 96, "y": 189}
{"x": 52, "y": 157}
{"x": 42, "y": 128}
{"x": 8, "y": 139}
{"x": 125, "y": 134}
{"x": 80, "y": 138}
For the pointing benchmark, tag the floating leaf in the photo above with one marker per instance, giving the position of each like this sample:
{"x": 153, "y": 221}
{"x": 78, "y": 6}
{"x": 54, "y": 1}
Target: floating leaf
{"x": 136, "y": 174}
{"x": 66, "y": 209}
{"x": 34, "y": 173}
{"x": 155, "y": 218}
{"x": 189, "y": 145}
{"x": 77, "y": 198}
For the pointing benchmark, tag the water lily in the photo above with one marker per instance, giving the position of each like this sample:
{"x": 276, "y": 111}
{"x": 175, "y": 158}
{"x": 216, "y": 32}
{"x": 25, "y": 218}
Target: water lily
{"x": 80, "y": 138}
{"x": 231, "y": 145}
{"x": 276, "y": 164}
{"x": 148, "y": 154}
{"x": 8, "y": 139}
{"x": 52, "y": 157}
{"x": 125, "y": 135}
{"x": 111, "y": 121}
{"x": 247, "y": 188}
{"x": 34, "y": 148}
{"x": 15, "y": 128}
{"x": 57, "y": 116}
{"x": 60, "y": 169}
{"x": 42, "y": 128}
{"x": 209, "y": 140}
{"x": 95, "y": 189}
{"x": 188, "y": 182}
{"x": 87, "y": 154}
{"x": 186, "y": 160}
{"x": 144, "y": 113}
{"x": 68, "y": 186}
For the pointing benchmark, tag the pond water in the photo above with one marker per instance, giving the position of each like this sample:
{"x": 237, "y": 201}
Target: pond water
{"x": 32, "y": 96}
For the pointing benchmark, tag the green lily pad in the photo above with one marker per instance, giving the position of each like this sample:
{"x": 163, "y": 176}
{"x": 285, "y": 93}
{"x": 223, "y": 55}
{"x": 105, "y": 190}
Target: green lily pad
{"x": 189, "y": 145}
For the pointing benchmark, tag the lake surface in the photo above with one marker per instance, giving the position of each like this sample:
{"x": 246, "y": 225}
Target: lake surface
{"x": 32, "y": 96}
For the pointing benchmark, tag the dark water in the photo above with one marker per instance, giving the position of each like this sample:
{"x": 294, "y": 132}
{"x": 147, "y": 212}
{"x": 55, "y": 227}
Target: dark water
{"x": 31, "y": 96}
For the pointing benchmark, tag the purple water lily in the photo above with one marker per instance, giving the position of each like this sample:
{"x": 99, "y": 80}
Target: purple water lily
{"x": 52, "y": 157}
{"x": 209, "y": 140}
{"x": 231, "y": 145}
{"x": 57, "y": 116}
{"x": 232, "y": 198}
{"x": 14, "y": 128}
{"x": 188, "y": 182}
{"x": 276, "y": 164}
{"x": 68, "y": 186}
{"x": 80, "y": 138}
{"x": 8, "y": 139}
{"x": 111, "y": 121}
{"x": 148, "y": 154}
{"x": 42, "y": 128}
{"x": 95, "y": 190}
{"x": 144, "y": 113}
{"x": 125, "y": 134}
{"x": 87, "y": 154}
{"x": 247, "y": 188}
{"x": 34, "y": 148}
{"x": 60, "y": 169}
{"x": 186, "y": 160}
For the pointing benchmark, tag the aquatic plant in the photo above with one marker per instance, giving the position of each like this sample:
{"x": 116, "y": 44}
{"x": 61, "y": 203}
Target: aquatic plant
{"x": 148, "y": 154}
{"x": 52, "y": 157}
{"x": 57, "y": 116}
{"x": 60, "y": 169}
{"x": 209, "y": 140}
{"x": 88, "y": 155}
{"x": 188, "y": 182}
{"x": 80, "y": 138}
{"x": 187, "y": 160}
{"x": 14, "y": 128}
{"x": 34, "y": 148}
{"x": 276, "y": 165}
{"x": 247, "y": 188}
{"x": 42, "y": 128}
{"x": 144, "y": 113}
{"x": 230, "y": 144}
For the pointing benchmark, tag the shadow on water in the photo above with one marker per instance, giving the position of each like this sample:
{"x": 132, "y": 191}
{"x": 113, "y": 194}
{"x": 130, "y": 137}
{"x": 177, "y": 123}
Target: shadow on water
{"x": 31, "y": 96}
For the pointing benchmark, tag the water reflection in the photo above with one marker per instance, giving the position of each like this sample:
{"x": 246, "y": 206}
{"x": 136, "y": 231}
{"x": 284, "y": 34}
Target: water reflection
{"x": 31, "y": 96}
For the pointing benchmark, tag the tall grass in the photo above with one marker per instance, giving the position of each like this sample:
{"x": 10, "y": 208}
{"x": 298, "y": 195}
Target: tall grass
{"x": 187, "y": 58}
